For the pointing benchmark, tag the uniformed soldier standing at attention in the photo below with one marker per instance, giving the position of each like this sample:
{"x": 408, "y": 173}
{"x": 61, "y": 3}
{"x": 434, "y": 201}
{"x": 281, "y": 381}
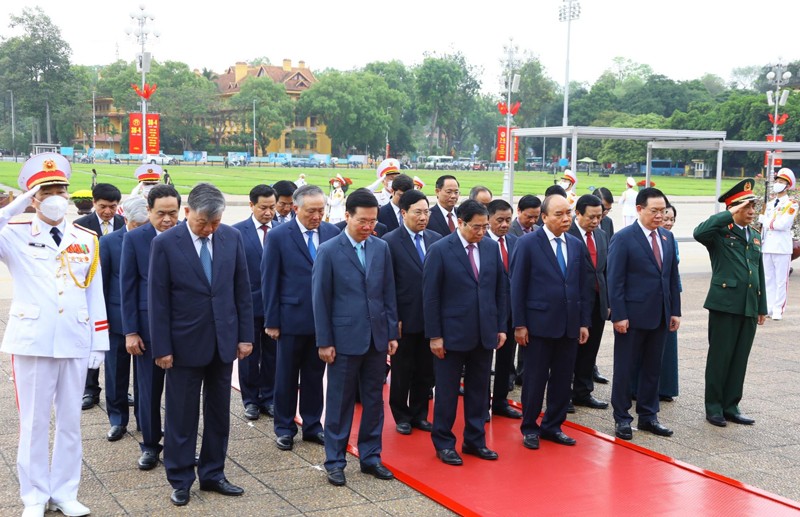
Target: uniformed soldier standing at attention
{"x": 56, "y": 328}
{"x": 736, "y": 301}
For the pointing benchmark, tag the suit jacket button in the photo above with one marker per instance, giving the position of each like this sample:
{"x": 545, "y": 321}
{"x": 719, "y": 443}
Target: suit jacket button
{"x": 60, "y": 310}
{"x": 724, "y": 285}
{"x": 749, "y": 285}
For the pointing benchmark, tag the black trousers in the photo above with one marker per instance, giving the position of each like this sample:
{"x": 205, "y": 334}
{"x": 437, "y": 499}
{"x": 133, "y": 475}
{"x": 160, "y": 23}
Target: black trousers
{"x": 412, "y": 378}
{"x": 583, "y": 379}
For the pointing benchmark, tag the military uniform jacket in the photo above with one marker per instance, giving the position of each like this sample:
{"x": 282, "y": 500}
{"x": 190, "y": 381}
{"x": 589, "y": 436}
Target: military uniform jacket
{"x": 777, "y": 225}
{"x": 737, "y": 268}
{"x": 50, "y": 315}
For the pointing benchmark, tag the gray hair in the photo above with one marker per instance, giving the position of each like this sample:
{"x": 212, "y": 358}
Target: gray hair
{"x": 306, "y": 191}
{"x": 135, "y": 209}
{"x": 206, "y": 199}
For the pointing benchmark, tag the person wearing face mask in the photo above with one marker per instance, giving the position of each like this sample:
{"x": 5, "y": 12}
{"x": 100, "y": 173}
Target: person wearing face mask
{"x": 776, "y": 232}
{"x": 568, "y": 182}
{"x": 149, "y": 175}
{"x": 57, "y": 327}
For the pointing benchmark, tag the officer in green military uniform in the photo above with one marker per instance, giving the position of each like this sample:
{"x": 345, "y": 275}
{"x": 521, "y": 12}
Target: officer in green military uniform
{"x": 736, "y": 301}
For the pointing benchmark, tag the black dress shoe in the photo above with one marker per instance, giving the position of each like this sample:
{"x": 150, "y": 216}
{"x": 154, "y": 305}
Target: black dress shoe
{"x": 377, "y": 470}
{"x": 268, "y": 410}
{"x": 740, "y": 419}
{"x": 403, "y": 428}
{"x": 570, "y": 408}
{"x": 131, "y": 401}
{"x": 666, "y": 398}
{"x": 285, "y": 443}
{"x": 89, "y": 401}
{"x": 483, "y": 453}
{"x": 336, "y": 477}
{"x": 590, "y": 402}
{"x": 598, "y": 377}
{"x": 223, "y": 486}
{"x": 623, "y": 431}
{"x": 507, "y": 411}
{"x": 116, "y": 433}
{"x": 449, "y": 457}
{"x": 251, "y": 412}
{"x": 531, "y": 441}
{"x": 559, "y": 438}
{"x": 180, "y": 497}
{"x": 422, "y": 425}
{"x": 148, "y": 461}
{"x": 716, "y": 420}
{"x": 318, "y": 438}
{"x": 655, "y": 427}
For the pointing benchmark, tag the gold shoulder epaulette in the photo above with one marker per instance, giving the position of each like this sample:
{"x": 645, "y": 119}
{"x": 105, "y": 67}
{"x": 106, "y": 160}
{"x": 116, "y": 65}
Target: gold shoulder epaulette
{"x": 87, "y": 230}
{"x": 20, "y": 222}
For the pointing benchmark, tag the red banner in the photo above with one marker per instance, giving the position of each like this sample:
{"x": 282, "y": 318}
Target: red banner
{"x": 502, "y": 145}
{"x": 135, "y": 133}
{"x": 153, "y": 134}
{"x": 778, "y": 161}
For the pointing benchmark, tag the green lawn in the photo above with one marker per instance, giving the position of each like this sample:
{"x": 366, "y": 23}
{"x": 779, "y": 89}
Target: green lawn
{"x": 239, "y": 180}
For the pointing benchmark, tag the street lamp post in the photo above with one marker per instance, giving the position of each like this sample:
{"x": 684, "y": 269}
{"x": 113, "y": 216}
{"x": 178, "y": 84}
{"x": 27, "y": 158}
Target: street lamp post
{"x": 94, "y": 122}
{"x": 569, "y": 10}
{"x": 142, "y": 32}
{"x": 778, "y": 77}
{"x": 13, "y": 128}
{"x": 254, "y": 127}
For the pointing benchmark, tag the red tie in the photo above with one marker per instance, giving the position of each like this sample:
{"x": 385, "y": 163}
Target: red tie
{"x": 265, "y": 229}
{"x": 592, "y": 249}
{"x": 656, "y": 249}
{"x": 450, "y": 222}
{"x": 503, "y": 252}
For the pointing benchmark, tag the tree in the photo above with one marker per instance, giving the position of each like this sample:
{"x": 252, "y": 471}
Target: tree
{"x": 536, "y": 91}
{"x": 404, "y": 116}
{"x": 274, "y": 109}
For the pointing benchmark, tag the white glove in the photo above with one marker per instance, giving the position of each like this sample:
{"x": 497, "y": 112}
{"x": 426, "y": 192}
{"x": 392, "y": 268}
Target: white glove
{"x": 96, "y": 359}
{"x": 762, "y": 218}
{"x": 20, "y": 203}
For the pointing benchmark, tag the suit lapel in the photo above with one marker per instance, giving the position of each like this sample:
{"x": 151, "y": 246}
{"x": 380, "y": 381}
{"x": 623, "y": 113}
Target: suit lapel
{"x": 299, "y": 240}
{"x": 547, "y": 250}
{"x": 461, "y": 254}
{"x": 647, "y": 247}
{"x": 350, "y": 252}
{"x": 251, "y": 235}
{"x": 410, "y": 247}
{"x": 219, "y": 245}
{"x": 186, "y": 246}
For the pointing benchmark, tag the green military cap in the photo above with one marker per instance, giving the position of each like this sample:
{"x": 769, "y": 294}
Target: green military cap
{"x": 742, "y": 192}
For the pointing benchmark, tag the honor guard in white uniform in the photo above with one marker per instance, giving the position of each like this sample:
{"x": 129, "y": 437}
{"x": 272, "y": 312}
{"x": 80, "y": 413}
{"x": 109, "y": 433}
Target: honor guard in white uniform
{"x": 568, "y": 182}
{"x": 149, "y": 175}
{"x": 386, "y": 172}
{"x": 56, "y": 328}
{"x": 776, "y": 234}
{"x": 418, "y": 183}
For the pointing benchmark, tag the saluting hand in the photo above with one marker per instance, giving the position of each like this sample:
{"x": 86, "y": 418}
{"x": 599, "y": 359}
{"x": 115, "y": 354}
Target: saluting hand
{"x": 437, "y": 347}
{"x": 243, "y": 350}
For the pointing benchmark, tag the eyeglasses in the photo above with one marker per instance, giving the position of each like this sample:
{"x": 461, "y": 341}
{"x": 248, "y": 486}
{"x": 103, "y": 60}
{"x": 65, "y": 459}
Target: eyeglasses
{"x": 478, "y": 227}
{"x": 418, "y": 213}
{"x": 366, "y": 222}
{"x": 657, "y": 211}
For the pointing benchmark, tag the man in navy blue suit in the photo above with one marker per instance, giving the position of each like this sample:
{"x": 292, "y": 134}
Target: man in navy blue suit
{"x": 389, "y": 214}
{"x": 257, "y": 371}
{"x": 355, "y": 313}
{"x": 288, "y": 315}
{"x": 465, "y": 304}
{"x": 118, "y": 360}
{"x": 551, "y": 312}
{"x": 412, "y": 365}
{"x": 201, "y": 320}
{"x": 163, "y": 204}
{"x": 500, "y": 214}
{"x": 444, "y": 219}
{"x": 645, "y": 304}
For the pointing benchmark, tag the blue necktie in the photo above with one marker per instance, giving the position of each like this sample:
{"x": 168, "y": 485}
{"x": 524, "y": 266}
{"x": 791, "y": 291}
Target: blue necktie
{"x": 360, "y": 253}
{"x": 560, "y": 257}
{"x": 205, "y": 258}
{"x": 418, "y": 242}
{"x": 312, "y": 250}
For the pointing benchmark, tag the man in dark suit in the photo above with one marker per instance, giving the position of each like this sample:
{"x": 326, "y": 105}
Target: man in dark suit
{"x": 607, "y": 225}
{"x": 444, "y": 219}
{"x": 102, "y": 221}
{"x": 284, "y": 190}
{"x": 389, "y": 214}
{"x": 551, "y": 313}
{"x": 289, "y": 255}
{"x": 257, "y": 371}
{"x": 529, "y": 209}
{"x": 464, "y": 299}
{"x": 201, "y": 320}
{"x": 118, "y": 360}
{"x": 500, "y": 214}
{"x": 412, "y": 365}
{"x": 589, "y": 212}
{"x": 355, "y": 314}
{"x": 163, "y": 204}
{"x": 645, "y": 305}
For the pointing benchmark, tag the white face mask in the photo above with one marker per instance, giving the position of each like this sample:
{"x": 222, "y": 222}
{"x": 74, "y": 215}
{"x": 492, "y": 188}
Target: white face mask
{"x": 566, "y": 185}
{"x": 146, "y": 190}
{"x": 54, "y": 208}
{"x": 778, "y": 187}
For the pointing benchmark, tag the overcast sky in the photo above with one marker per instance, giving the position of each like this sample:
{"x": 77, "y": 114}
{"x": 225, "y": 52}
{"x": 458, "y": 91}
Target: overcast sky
{"x": 682, "y": 39}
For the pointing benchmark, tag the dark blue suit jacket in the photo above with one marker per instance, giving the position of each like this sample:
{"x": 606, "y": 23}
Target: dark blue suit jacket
{"x": 191, "y": 319}
{"x": 637, "y": 290}
{"x": 408, "y": 276}
{"x": 438, "y": 223}
{"x": 110, "y": 257}
{"x": 543, "y": 300}
{"x": 133, "y": 271}
{"x": 387, "y": 217}
{"x": 286, "y": 278}
{"x": 354, "y": 306}
{"x": 465, "y": 312}
{"x": 90, "y": 221}
{"x": 255, "y": 253}
{"x": 511, "y": 243}
{"x": 596, "y": 274}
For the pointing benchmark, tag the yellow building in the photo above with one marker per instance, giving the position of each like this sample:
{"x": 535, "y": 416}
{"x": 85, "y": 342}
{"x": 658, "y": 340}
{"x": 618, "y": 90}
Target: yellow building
{"x": 109, "y": 122}
{"x": 305, "y": 136}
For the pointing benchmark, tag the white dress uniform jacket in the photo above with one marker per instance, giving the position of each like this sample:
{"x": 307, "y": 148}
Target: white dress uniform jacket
{"x": 777, "y": 225}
